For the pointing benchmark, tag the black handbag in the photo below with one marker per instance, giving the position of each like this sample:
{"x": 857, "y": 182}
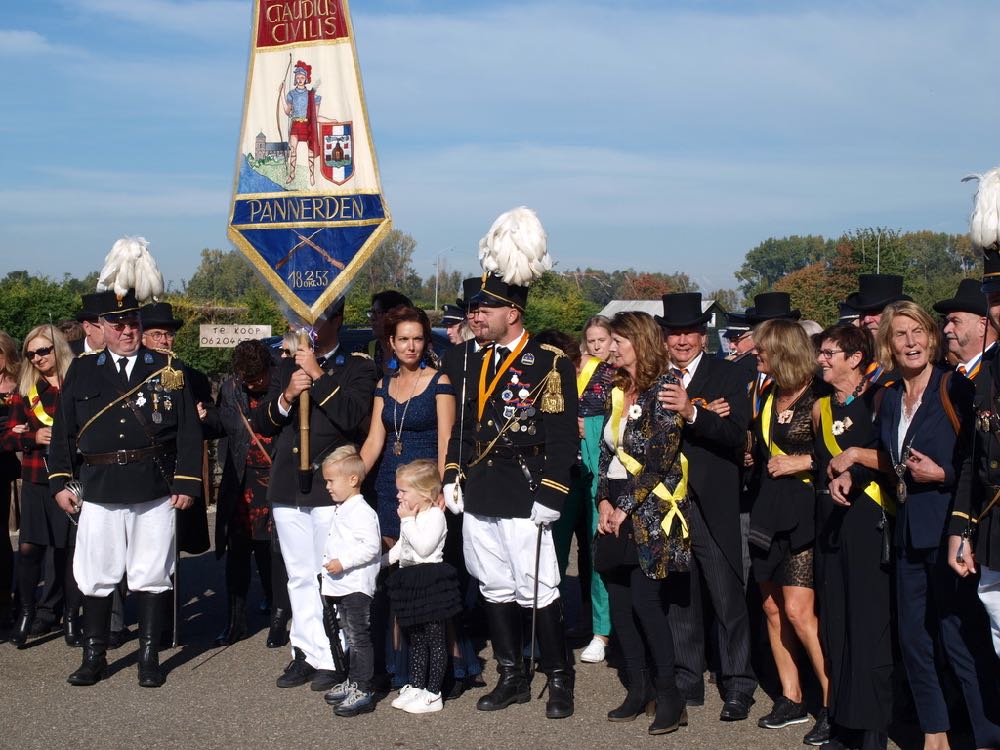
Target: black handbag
{"x": 610, "y": 551}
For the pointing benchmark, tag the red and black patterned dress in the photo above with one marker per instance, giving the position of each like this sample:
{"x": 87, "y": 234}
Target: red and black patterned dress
{"x": 252, "y": 516}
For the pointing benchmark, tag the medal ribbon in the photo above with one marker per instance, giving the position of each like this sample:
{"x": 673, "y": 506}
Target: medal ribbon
{"x": 773, "y": 448}
{"x": 633, "y": 467}
{"x": 484, "y": 392}
{"x": 830, "y": 440}
{"x": 37, "y": 408}
{"x": 971, "y": 372}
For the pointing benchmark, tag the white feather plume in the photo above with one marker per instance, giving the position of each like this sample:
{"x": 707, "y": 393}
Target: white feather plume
{"x": 129, "y": 265}
{"x": 515, "y": 247}
{"x": 984, "y": 224}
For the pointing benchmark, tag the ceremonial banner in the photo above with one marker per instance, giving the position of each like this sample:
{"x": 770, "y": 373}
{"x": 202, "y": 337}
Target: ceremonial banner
{"x": 307, "y": 205}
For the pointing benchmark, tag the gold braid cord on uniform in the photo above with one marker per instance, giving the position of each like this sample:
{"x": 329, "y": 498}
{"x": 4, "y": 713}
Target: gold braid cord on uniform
{"x": 171, "y": 379}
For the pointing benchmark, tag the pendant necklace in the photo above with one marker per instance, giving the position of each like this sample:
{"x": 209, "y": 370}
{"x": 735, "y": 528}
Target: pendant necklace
{"x": 397, "y": 447}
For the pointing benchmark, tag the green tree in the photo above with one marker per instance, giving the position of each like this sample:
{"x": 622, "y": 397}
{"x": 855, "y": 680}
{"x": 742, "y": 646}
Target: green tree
{"x": 774, "y": 258}
{"x": 222, "y": 277}
{"x": 27, "y": 301}
{"x": 555, "y": 302}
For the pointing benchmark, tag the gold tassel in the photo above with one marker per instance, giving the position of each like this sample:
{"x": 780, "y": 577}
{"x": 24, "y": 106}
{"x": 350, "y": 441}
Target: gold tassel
{"x": 552, "y": 398}
{"x": 171, "y": 379}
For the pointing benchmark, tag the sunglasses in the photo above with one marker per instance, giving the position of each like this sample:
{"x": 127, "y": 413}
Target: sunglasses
{"x": 42, "y": 351}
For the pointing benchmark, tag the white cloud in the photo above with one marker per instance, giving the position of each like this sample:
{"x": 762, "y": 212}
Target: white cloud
{"x": 201, "y": 18}
{"x": 19, "y": 44}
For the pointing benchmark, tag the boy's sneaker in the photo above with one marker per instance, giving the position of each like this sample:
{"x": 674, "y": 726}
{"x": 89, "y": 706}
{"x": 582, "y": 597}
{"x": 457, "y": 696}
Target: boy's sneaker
{"x": 594, "y": 653}
{"x": 785, "y": 713}
{"x": 338, "y": 693}
{"x": 356, "y": 702}
{"x": 407, "y": 693}
{"x": 425, "y": 703}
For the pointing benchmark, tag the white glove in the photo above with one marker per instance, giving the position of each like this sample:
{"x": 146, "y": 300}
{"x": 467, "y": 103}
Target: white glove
{"x": 453, "y": 498}
{"x": 542, "y": 515}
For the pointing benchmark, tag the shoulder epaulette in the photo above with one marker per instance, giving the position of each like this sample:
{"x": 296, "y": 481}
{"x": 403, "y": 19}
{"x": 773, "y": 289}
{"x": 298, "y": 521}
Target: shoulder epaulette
{"x": 87, "y": 354}
{"x": 360, "y": 354}
{"x": 554, "y": 349}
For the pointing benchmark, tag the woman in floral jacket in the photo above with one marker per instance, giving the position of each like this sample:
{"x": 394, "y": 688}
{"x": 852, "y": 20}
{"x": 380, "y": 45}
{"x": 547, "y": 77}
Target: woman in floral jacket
{"x": 642, "y": 532}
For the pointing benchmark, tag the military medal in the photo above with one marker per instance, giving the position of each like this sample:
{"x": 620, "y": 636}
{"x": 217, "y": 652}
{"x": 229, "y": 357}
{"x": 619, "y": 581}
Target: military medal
{"x": 507, "y": 395}
{"x": 140, "y": 400}
{"x": 523, "y": 393}
{"x": 156, "y": 416}
{"x": 983, "y": 421}
{"x": 168, "y": 404}
{"x": 508, "y": 412}
{"x": 486, "y": 391}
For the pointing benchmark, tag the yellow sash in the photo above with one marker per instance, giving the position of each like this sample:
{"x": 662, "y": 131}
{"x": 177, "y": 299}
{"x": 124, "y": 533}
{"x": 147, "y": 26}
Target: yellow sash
{"x": 830, "y": 440}
{"x": 35, "y": 402}
{"x": 583, "y": 378}
{"x": 633, "y": 467}
{"x": 773, "y": 448}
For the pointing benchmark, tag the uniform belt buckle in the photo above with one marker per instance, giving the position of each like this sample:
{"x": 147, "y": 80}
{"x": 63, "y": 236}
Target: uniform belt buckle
{"x": 121, "y": 457}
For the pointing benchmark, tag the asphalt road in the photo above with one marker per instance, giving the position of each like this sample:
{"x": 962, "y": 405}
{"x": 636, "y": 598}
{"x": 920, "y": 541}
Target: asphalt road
{"x": 226, "y": 698}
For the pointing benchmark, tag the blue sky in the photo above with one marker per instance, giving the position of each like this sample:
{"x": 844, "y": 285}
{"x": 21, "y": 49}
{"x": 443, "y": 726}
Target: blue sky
{"x": 657, "y": 135}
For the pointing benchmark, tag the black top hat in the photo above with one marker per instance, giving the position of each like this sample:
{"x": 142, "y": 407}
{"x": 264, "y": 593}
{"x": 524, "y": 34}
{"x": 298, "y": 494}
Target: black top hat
{"x": 112, "y": 307}
{"x": 159, "y": 315}
{"x": 682, "y": 310}
{"x": 991, "y": 269}
{"x": 875, "y": 291}
{"x": 846, "y": 313}
{"x": 736, "y": 326}
{"x": 495, "y": 292}
{"x": 969, "y": 298}
{"x": 453, "y": 314}
{"x": 90, "y": 311}
{"x": 772, "y": 306}
{"x": 469, "y": 288}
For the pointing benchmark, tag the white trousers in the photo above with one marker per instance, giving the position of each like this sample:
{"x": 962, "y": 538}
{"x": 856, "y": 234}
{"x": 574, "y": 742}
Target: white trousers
{"x": 989, "y": 593}
{"x": 500, "y": 553}
{"x": 302, "y": 534}
{"x": 117, "y": 540}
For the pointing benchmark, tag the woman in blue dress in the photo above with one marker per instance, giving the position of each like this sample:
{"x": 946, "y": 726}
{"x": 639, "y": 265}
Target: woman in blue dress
{"x": 412, "y": 416}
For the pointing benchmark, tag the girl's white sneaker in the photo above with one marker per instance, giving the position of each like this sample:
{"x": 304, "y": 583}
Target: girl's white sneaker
{"x": 426, "y": 703}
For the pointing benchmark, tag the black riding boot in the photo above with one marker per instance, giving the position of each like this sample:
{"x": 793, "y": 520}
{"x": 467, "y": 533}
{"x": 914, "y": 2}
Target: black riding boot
{"x": 671, "y": 708}
{"x": 25, "y": 619}
{"x": 236, "y": 630}
{"x": 151, "y": 610}
{"x": 639, "y": 698}
{"x": 556, "y": 660}
{"x": 505, "y": 635}
{"x": 277, "y": 634}
{"x": 71, "y": 628}
{"x": 96, "y": 626}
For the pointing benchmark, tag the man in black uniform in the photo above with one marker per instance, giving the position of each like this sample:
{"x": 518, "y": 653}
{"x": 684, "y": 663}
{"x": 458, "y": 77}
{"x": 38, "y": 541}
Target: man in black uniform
{"x": 518, "y": 447}
{"x": 89, "y": 318}
{"x": 974, "y": 530}
{"x": 127, "y": 414}
{"x": 341, "y": 388}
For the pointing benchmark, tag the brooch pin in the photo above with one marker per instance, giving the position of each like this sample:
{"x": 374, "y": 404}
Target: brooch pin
{"x": 634, "y": 411}
{"x": 785, "y": 417}
{"x": 842, "y": 425}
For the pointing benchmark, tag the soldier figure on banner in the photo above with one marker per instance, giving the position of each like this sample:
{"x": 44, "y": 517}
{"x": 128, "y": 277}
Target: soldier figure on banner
{"x": 302, "y": 107}
{"x": 512, "y": 451}
{"x": 128, "y": 417}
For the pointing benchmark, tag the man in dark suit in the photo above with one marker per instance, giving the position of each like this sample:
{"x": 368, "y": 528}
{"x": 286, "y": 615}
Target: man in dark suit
{"x": 93, "y": 334}
{"x": 341, "y": 387}
{"x": 713, "y": 445}
{"x": 967, "y": 331}
{"x": 130, "y": 414}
